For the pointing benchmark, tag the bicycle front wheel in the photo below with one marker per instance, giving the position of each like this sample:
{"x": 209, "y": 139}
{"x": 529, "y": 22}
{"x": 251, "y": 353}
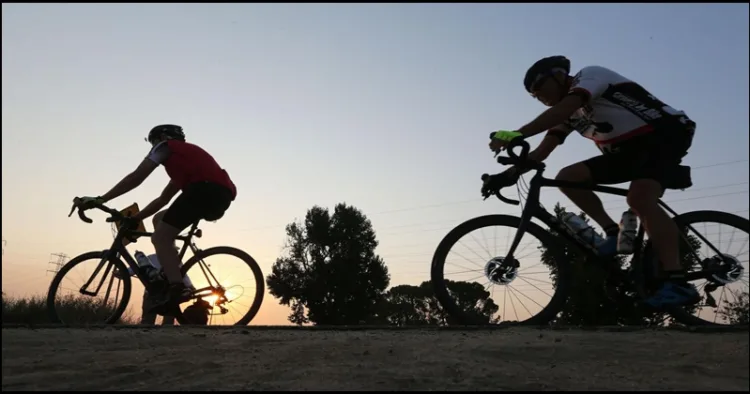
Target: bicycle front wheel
{"x": 90, "y": 289}
{"x": 230, "y": 280}
{"x": 480, "y": 279}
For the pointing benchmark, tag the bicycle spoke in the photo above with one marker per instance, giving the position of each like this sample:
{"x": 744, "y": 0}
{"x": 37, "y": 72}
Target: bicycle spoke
{"x": 531, "y": 281}
{"x": 238, "y": 285}
{"x": 731, "y": 244}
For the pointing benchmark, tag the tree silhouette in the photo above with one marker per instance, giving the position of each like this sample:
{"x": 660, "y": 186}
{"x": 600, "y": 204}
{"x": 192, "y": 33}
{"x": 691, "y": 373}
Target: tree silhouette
{"x": 331, "y": 274}
{"x": 417, "y": 305}
{"x": 738, "y": 311}
{"x": 602, "y": 292}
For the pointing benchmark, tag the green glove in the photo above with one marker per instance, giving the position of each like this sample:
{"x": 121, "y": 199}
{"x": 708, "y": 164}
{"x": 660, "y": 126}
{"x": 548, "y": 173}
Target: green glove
{"x": 89, "y": 202}
{"x": 504, "y": 135}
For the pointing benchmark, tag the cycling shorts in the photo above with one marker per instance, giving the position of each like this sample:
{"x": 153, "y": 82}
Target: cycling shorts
{"x": 657, "y": 155}
{"x": 200, "y": 200}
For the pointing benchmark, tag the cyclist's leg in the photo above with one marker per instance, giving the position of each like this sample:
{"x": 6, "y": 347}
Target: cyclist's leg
{"x": 660, "y": 169}
{"x": 188, "y": 208}
{"x": 147, "y": 317}
{"x": 643, "y": 199}
{"x": 177, "y": 217}
{"x": 663, "y": 233}
{"x": 610, "y": 168}
{"x": 156, "y": 219}
{"x": 597, "y": 170}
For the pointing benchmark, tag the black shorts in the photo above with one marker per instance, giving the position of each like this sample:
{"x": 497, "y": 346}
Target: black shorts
{"x": 656, "y": 156}
{"x": 202, "y": 200}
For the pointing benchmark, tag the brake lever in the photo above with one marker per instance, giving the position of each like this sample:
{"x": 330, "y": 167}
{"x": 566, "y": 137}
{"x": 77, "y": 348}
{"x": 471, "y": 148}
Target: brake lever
{"x": 498, "y": 195}
{"x": 81, "y": 214}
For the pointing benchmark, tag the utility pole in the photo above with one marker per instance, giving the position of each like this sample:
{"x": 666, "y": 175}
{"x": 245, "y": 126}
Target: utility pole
{"x": 57, "y": 260}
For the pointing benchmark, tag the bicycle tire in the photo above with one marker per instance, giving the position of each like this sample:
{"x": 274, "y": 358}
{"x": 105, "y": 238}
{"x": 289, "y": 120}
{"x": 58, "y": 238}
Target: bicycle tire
{"x": 247, "y": 259}
{"x": 99, "y": 255}
{"x": 546, "y": 315}
{"x": 679, "y": 313}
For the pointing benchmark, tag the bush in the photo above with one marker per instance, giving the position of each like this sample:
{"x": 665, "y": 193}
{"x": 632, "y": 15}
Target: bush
{"x": 33, "y": 310}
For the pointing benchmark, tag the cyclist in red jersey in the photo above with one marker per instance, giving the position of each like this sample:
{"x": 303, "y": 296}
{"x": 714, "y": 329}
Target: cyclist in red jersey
{"x": 207, "y": 192}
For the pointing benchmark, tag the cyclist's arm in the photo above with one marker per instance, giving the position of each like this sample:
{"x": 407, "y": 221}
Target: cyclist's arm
{"x": 159, "y": 202}
{"x": 589, "y": 84}
{"x": 554, "y": 116}
{"x": 554, "y": 138}
{"x": 132, "y": 180}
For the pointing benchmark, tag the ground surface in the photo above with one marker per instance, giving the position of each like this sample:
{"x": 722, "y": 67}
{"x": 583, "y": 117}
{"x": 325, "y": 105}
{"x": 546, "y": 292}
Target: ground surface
{"x": 283, "y": 359}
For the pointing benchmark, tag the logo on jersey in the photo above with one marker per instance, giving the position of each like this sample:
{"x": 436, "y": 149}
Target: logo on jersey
{"x": 643, "y": 111}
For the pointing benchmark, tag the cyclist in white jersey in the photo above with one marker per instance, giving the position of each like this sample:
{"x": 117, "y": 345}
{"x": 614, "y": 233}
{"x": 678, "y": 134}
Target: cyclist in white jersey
{"x": 642, "y": 140}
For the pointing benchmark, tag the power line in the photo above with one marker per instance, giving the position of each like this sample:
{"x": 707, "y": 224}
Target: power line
{"x": 449, "y": 203}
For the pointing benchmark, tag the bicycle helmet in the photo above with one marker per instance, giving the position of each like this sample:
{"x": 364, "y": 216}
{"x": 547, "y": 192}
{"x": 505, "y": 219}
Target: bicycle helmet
{"x": 169, "y": 130}
{"x": 545, "y": 67}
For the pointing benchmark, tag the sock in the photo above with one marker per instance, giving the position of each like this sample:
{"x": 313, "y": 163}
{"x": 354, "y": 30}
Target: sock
{"x": 612, "y": 231}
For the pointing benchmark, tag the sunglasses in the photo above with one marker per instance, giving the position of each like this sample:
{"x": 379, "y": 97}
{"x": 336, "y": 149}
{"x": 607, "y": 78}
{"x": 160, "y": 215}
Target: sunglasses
{"x": 537, "y": 85}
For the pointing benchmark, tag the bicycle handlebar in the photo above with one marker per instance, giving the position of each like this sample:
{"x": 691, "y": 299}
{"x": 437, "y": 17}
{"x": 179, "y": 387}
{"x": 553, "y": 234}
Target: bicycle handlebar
{"x": 116, "y": 215}
{"x": 519, "y": 160}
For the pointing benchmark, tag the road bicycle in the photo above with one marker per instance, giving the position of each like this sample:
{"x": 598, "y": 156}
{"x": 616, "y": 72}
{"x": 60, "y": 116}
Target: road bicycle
{"x": 718, "y": 269}
{"x": 112, "y": 271}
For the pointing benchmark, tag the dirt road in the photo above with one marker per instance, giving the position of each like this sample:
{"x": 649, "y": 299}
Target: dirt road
{"x": 242, "y": 359}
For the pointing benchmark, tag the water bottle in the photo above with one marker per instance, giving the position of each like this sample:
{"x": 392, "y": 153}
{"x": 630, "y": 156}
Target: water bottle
{"x": 145, "y": 266}
{"x": 582, "y": 229}
{"x": 626, "y": 237}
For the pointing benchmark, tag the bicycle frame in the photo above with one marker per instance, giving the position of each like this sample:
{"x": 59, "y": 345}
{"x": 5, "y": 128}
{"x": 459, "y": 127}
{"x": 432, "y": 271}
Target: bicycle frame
{"x": 533, "y": 209}
{"x": 118, "y": 247}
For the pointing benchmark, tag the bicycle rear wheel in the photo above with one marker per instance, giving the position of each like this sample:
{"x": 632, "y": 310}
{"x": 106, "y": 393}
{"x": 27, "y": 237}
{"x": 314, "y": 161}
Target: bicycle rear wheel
{"x": 461, "y": 300}
{"x": 78, "y": 308}
{"x": 724, "y": 296}
{"x": 225, "y": 290}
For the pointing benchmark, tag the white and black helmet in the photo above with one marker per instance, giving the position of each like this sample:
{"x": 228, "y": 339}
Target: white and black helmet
{"x": 544, "y": 68}
{"x": 168, "y": 130}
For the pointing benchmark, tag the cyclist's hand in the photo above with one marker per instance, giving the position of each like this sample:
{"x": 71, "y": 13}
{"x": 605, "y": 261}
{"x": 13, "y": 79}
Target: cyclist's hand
{"x": 501, "y": 138}
{"x": 84, "y": 203}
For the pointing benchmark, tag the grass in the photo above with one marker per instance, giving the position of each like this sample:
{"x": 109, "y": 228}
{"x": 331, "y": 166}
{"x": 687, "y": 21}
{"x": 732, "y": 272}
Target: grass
{"x": 33, "y": 310}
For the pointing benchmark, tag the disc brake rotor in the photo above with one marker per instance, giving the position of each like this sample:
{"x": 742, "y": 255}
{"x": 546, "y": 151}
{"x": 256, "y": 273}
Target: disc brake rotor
{"x": 501, "y": 271}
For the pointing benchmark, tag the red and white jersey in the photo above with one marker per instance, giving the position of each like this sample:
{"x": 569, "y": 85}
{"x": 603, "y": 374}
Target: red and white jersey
{"x": 616, "y": 109}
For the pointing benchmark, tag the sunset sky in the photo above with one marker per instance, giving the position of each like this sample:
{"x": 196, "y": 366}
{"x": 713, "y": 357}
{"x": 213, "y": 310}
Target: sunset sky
{"x": 383, "y": 106}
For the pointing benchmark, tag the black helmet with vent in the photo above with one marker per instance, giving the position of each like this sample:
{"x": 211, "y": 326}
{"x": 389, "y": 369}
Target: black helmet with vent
{"x": 545, "y": 67}
{"x": 166, "y": 130}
